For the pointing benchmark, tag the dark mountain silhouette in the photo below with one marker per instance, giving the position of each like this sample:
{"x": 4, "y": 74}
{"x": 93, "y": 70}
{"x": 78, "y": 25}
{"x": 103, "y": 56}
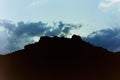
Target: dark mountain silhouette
{"x": 59, "y": 58}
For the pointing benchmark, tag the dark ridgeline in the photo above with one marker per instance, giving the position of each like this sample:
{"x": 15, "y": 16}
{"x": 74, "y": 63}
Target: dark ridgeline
{"x": 54, "y": 58}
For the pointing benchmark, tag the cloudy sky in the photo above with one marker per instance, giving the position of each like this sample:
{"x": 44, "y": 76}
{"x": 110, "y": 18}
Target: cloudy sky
{"x": 29, "y": 19}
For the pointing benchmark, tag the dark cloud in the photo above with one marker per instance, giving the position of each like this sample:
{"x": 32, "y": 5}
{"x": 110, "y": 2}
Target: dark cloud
{"x": 23, "y": 33}
{"x": 107, "y": 38}
{"x": 8, "y": 25}
{"x": 31, "y": 29}
{"x": 61, "y": 29}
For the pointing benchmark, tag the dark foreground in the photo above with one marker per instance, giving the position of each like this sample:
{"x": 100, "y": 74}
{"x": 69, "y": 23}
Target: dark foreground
{"x": 60, "y": 59}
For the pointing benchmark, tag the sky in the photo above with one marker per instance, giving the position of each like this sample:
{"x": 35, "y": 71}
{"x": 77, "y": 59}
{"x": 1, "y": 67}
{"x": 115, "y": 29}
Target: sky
{"x": 69, "y": 11}
{"x": 57, "y": 17}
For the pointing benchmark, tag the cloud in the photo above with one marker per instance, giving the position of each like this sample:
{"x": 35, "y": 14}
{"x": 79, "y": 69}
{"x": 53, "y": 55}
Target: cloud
{"x": 111, "y": 9}
{"x": 37, "y": 3}
{"x": 17, "y": 35}
{"x": 105, "y": 4}
{"x": 106, "y": 38}
{"x": 34, "y": 4}
{"x": 3, "y": 41}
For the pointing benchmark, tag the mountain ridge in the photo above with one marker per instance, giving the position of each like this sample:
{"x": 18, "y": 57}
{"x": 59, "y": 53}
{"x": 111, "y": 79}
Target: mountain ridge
{"x": 59, "y": 58}
{"x": 55, "y": 40}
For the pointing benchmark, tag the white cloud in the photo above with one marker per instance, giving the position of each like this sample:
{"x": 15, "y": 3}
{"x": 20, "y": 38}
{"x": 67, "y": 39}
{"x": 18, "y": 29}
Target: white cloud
{"x": 38, "y": 3}
{"x": 105, "y": 4}
{"x": 34, "y": 4}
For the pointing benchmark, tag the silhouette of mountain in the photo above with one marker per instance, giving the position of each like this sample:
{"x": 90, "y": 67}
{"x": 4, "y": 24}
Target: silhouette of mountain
{"x": 59, "y": 58}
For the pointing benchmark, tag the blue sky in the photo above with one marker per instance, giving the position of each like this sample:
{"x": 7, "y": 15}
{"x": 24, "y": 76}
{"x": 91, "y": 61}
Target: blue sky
{"x": 97, "y": 17}
{"x": 84, "y": 12}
